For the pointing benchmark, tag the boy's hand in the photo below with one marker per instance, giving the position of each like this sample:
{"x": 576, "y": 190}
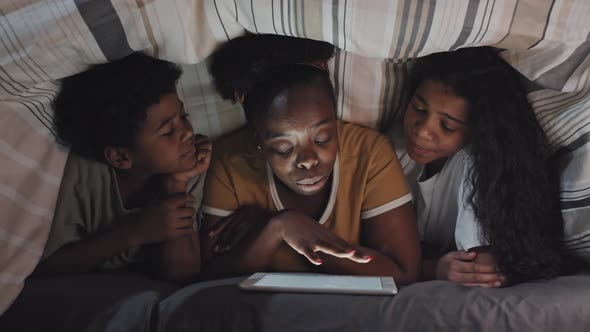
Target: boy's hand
{"x": 469, "y": 268}
{"x": 166, "y": 220}
{"x": 203, "y": 152}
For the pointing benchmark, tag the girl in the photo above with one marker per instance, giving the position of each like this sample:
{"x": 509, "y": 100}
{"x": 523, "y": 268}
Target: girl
{"x": 303, "y": 191}
{"x": 476, "y": 156}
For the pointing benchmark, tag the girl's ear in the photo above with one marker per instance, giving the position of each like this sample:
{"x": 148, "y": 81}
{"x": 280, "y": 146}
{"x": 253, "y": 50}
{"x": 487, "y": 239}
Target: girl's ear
{"x": 118, "y": 157}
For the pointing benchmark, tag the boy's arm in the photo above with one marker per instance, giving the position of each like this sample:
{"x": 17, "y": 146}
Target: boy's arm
{"x": 180, "y": 259}
{"x": 90, "y": 253}
{"x": 166, "y": 220}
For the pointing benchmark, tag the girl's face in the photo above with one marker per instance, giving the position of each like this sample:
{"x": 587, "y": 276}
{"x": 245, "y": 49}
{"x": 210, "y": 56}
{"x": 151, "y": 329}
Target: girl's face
{"x": 434, "y": 123}
{"x": 300, "y": 139}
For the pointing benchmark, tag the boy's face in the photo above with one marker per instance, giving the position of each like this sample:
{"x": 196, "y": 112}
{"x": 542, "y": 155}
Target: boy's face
{"x": 165, "y": 142}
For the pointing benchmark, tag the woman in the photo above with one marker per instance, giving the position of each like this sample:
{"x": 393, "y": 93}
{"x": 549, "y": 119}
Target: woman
{"x": 300, "y": 190}
{"x": 477, "y": 162}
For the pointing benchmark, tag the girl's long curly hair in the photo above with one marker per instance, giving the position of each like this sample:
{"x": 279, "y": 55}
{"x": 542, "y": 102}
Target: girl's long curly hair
{"x": 515, "y": 192}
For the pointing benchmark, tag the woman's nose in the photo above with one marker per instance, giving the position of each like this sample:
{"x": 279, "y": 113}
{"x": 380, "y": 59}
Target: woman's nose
{"x": 308, "y": 158}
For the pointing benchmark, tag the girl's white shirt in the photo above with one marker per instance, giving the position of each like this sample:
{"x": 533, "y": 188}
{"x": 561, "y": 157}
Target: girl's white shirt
{"x": 444, "y": 215}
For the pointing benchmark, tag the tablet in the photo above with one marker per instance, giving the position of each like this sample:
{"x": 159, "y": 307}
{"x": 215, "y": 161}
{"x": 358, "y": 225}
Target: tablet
{"x": 319, "y": 283}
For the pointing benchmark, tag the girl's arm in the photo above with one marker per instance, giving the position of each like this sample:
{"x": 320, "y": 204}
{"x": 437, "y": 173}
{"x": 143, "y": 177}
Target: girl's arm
{"x": 392, "y": 238}
{"x": 470, "y": 268}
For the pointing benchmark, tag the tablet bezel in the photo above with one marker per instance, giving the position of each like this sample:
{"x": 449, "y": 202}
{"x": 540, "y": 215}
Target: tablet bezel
{"x": 387, "y": 283}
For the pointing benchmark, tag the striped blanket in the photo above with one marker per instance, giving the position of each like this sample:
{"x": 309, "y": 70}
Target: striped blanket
{"x": 41, "y": 41}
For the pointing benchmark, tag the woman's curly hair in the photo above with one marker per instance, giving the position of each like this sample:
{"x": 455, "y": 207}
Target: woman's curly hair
{"x": 107, "y": 104}
{"x": 260, "y": 67}
{"x": 515, "y": 185}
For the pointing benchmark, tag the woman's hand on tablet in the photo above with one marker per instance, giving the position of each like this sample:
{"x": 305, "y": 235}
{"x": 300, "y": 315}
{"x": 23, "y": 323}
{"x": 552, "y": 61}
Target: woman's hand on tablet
{"x": 307, "y": 237}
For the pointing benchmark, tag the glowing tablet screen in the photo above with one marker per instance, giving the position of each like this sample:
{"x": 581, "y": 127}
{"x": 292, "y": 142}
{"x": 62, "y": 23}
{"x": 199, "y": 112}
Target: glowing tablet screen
{"x": 320, "y": 282}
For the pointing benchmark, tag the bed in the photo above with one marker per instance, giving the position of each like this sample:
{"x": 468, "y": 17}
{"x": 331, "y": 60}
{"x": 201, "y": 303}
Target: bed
{"x": 548, "y": 41}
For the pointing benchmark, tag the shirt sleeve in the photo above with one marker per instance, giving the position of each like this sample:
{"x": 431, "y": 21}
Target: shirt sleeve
{"x": 219, "y": 196}
{"x": 195, "y": 189}
{"x": 68, "y": 220}
{"x": 386, "y": 187}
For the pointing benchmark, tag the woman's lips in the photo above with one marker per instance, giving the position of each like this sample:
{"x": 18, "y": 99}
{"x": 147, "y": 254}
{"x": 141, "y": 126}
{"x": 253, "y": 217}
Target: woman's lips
{"x": 312, "y": 184}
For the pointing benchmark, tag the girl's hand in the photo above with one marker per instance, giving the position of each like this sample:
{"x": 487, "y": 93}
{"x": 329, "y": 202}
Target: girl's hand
{"x": 307, "y": 237}
{"x": 470, "y": 268}
{"x": 230, "y": 231}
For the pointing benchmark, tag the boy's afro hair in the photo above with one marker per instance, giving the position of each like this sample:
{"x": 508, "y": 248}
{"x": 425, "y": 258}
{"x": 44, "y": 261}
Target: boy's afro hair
{"x": 106, "y": 105}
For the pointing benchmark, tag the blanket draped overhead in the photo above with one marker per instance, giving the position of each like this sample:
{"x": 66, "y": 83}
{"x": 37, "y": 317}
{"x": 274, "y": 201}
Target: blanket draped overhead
{"x": 42, "y": 41}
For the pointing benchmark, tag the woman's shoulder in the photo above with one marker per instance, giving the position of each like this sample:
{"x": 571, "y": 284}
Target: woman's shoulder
{"x": 358, "y": 140}
{"x": 237, "y": 151}
{"x": 239, "y": 142}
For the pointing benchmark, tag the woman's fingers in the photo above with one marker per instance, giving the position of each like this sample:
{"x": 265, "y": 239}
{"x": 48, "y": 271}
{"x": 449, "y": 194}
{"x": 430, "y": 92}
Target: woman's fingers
{"x": 219, "y": 226}
{"x": 232, "y": 234}
{"x": 310, "y": 254}
{"x": 337, "y": 250}
{"x": 334, "y": 249}
{"x": 361, "y": 257}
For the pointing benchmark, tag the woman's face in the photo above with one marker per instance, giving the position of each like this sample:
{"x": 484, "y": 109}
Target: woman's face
{"x": 300, "y": 139}
{"x": 434, "y": 123}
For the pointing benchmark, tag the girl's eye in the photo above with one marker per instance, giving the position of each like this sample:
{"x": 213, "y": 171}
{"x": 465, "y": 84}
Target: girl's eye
{"x": 418, "y": 110}
{"x": 447, "y": 128}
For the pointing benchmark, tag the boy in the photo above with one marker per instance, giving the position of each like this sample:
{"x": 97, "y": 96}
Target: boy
{"x": 123, "y": 197}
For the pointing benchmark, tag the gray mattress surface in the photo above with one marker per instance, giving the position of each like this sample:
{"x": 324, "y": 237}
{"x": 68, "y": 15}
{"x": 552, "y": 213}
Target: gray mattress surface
{"x": 131, "y": 302}
{"x": 562, "y": 304}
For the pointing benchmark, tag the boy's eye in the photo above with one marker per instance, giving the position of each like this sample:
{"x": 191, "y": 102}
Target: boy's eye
{"x": 169, "y": 133}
